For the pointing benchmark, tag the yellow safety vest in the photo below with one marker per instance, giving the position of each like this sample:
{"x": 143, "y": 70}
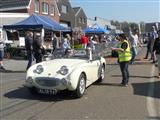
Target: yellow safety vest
{"x": 126, "y": 55}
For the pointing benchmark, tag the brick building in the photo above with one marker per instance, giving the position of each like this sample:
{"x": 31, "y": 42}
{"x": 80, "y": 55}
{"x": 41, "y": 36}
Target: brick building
{"x": 42, "y": 7}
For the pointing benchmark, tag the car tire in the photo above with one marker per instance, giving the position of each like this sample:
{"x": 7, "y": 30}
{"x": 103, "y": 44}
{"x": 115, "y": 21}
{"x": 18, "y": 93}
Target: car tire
{"x": 80, "y": 90}
{"x": 33, "y": 91}
{"x": 101, "y": 78}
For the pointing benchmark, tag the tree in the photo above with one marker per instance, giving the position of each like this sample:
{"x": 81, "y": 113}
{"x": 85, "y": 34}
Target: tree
{"x": 134, "y": 26}
{"x": 125, "y": 27}
{"x": 142, "y": 26}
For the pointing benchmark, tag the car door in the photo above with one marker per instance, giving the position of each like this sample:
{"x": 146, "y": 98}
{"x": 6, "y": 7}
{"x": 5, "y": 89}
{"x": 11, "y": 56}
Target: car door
{"x": 92, "y": 69}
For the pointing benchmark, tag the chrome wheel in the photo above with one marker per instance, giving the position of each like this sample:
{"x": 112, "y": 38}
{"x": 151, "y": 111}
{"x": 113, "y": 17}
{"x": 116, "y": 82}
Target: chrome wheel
{"x": 102, "y": 73}
{"x": 79, "y": 92}
{"x": 82, "y": 85}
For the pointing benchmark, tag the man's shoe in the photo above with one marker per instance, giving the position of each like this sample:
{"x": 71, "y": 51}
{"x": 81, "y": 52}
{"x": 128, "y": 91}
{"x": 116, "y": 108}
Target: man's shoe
{"x": 158, "y": 76}
{"x": 131, "y": 63}
{"x": 156, "y": 65}
{"x": 124, "y": 85}
{"x": 2, "y": 68}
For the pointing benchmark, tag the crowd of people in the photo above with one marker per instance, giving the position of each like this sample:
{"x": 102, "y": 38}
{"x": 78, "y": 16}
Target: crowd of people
{"x": 126, "y": 48}
{"x": 35, "y": 48}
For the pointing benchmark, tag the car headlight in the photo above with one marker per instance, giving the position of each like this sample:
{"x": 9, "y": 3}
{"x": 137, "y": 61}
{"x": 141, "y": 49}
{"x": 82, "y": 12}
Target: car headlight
{"x": 39, "y": 69}
{"x": 63, "y": 70}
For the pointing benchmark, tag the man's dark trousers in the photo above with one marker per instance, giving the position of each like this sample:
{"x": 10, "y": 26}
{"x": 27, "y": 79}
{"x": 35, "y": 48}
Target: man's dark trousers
{"x": 125, "y": 72}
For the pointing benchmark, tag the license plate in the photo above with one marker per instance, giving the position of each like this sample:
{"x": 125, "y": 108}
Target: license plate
{"x": 48, "y": 91}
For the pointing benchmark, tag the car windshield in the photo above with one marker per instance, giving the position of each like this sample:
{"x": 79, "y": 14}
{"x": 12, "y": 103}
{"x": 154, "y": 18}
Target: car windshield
{"x": 99, "y": 50}
{"x": 71, "y": 53}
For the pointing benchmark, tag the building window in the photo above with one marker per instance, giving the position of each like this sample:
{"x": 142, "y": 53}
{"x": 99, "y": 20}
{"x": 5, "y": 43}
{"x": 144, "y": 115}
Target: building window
{"x": 80, "y": 20}
{"x": 83, "y": 20}
{"x": 64, "y": 9}
{"x": 52, "y": 10}
{"x": 36, "y": 6}
{"x": 44, "y": 8}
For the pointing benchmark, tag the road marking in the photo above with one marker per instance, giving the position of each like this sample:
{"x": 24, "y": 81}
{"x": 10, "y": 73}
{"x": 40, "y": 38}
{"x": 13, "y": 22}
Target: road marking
{"x": 150, "y": 100}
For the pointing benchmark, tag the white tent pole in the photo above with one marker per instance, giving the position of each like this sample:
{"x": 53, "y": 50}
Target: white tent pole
{"x": 42, "y": 35}
{"x": 60, "y": 41}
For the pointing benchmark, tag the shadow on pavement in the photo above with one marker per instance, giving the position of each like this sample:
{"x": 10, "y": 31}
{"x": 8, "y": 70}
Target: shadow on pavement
{"x": 142, "y": 63}
{"x": 135, "y": 76}
{"x": 23, "y": 93}
{"x": 136, "y": 63}
{"x": 11, "y": 71}
{"x": 143, "y": 89}
{"x": 108, "y": 84}
{"x": 154, "y": 118}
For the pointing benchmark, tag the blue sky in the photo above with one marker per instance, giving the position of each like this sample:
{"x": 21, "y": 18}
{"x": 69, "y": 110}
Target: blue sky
{"x": 121, "y": 10}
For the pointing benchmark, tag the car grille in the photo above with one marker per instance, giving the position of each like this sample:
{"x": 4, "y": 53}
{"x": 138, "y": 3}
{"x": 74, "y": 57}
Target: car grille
{"x": 48, "y": 82}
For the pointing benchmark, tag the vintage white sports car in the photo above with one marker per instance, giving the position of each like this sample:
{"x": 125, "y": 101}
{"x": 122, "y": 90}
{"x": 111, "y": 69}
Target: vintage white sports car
{"x": 74, "y": 72}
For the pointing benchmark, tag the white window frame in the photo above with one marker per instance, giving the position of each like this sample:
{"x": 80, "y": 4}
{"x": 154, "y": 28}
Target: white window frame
{"x": 52, "y": 10}
{"x": 64, "y": 9}
{"x": 45, "y": 8}
{"x": 80, "y": 20}
{"x": 83, "y": 20}
{"x": 36, "y": 6}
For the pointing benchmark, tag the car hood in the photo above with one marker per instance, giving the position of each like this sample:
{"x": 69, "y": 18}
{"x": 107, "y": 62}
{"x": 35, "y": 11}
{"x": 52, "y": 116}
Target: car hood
{"x": 51, "y": 67}
{"x": 61, "y": 62}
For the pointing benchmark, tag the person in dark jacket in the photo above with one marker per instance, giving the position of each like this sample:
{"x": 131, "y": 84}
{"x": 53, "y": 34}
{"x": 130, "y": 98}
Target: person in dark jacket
{"x": 37, "y": 47}
{"x": 156, "y": 49}
{"x": 54, "y": 43}
{"x": 29, "y": 47}
{"x": 148, "y": 46}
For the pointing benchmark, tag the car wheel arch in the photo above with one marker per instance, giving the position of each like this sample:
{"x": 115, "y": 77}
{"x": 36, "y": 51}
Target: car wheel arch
{"x": 75, "y": 78}
{"x": 80, "y": 75}
{"x": 84, "y": 75}
{"x": 100, "y": 79}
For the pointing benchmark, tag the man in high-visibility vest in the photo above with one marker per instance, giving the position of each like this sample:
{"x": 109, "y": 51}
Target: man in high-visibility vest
{"x": 124, "y": 57}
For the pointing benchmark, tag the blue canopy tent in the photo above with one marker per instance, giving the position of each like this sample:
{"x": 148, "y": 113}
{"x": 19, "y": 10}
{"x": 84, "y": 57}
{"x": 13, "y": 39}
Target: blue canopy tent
{"x": 56, "y": 26}
{"x": 95, "y": 29}
{"x": 37, "y": 22}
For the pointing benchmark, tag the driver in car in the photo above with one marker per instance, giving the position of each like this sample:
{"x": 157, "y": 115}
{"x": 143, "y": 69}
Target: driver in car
{"x": 69, "y": 53}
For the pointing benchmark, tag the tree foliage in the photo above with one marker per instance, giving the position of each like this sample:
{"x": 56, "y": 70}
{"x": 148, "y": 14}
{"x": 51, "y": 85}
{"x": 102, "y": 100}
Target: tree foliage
{"x": 124, "y": 26}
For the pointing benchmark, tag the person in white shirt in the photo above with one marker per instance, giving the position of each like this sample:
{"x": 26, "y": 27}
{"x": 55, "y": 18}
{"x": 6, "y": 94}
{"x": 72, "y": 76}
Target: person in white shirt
{"x": 66, "y": 43}
{"x": 134, "y": 41}
{"x": 154, "y": 35}
{"x": 1, "y": 52}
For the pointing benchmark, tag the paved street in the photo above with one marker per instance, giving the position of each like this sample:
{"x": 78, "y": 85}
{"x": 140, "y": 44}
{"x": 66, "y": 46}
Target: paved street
{"x": 107, "y": 100}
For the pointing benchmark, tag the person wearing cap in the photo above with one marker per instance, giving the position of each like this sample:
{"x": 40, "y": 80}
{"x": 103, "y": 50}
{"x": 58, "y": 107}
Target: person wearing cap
{"x": 156, "y": 49}
{"x": 124, "y": 57}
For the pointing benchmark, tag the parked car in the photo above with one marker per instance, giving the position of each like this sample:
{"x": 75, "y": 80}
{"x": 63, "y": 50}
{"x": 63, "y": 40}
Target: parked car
{"x": 74, "y": 71}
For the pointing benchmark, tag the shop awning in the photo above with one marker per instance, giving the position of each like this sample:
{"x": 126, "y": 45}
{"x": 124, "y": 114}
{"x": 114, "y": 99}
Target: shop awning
{"x": 37, "y": 22}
